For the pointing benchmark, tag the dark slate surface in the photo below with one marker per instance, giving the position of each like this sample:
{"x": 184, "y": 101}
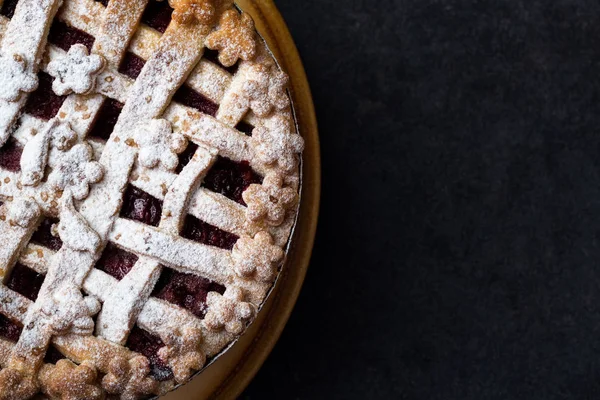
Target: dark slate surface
{"x": 458, "y": 249}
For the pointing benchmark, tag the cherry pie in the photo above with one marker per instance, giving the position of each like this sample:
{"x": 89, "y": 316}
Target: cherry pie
{"x": 149, "y": 177}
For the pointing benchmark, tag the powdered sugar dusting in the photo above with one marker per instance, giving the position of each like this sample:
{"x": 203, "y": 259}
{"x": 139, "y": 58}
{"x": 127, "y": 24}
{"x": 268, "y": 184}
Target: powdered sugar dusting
{"x": 75, "y": 72}
{"x": 35, "y": 153}
{"x": 234, "y": 38}
{"x": 23, "y": 212}
{"x": 68, "y": 311}
{"x": 276, "y": 143}
{"x": 76, "y": 171}
{"x": 270, "y": 201}
{"x": 257, "y": 257}
{"x": 21, "y": 50}
{"x": 127, "y": 297}
{"x": 117, "y": 29}
{"x": 255, "y": 93}
{"x": 156, "y": 144}
{"x": 228, "y": 311}
{"x": 74, "y": 230}
{"x": 15, "y": 77}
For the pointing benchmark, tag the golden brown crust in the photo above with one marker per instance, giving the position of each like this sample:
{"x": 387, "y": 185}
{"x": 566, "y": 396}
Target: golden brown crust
{"x": 69, "y": 381}
{"x": 129, "y": 378}
{"x": 184, "y": 354}
{"x": 188, "y": 11}
{"x": 15, "y": 385}
{"x": 234, "y": 38}
{"x": 67, "y": 311}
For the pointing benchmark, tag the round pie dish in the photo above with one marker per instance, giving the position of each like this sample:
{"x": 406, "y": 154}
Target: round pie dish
{"x": 159, "y": 186}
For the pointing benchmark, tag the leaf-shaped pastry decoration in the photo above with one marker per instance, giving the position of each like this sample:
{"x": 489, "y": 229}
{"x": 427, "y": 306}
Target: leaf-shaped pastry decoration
{"x": 74, "y": 230}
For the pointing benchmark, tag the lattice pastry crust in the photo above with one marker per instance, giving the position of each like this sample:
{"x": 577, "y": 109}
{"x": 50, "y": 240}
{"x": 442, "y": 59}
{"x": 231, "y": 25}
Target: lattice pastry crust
{"x": 149, "y": 177}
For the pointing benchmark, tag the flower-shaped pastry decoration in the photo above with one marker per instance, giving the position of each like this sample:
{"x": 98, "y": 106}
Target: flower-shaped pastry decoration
{"x": 129, "y": 378}
{"x": 68, "y": 311}
{"x": 74, "y": 230}
{"x": 265, "y": 89}
{"x": 15, "y": 385}
{"x": 183, "y": 353}
{"x": 56, "y": 133}
{"x": 228, "y": 311}
{"x": 69, "y": 381}
{"x": 269, "y": 201}
{"x": 23, "y": 212}
{"x": 76, "y": 171}
{"x": 158, "y": 144}
{"x": 188, "y": 11}
{"x": 15, "y": 77}
{"x": 257, "y": 257}
{"x": 76, "y": 71}
{"x": 62, "y": 136}
{"x": 276, "y": 143}
{"x": 234, "y": 39}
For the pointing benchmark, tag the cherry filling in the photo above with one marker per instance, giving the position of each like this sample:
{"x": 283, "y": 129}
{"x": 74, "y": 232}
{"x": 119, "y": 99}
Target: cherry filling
{"x": 157, "y": 15}
{"x": 186, "y": 290}
{"x": 202, "y": 232}
{"x": 147, "y": 344}
{"x": 44, "y": 103}
{"x": 8, "y": 8}
{"x": 213, "y": 57}
{"x": 231, "y": 178}
{"x": 25, "y": 281}
{"x": 186, "y": 156}
{"x": 140, "y": 206}
{"x": 245, "y": 128}
{"x": 116, "y": 262}
{"x": 9, "y": 330}
{"x": 65, "y": 36}
{"x": 44, "y": 237}
{"x": 131, "y": 65}
{"x": 188, "y": 97}
{"x": 106, "y": 119}
{"x": 53, "y": 355}
{"x": 10, "y": 156}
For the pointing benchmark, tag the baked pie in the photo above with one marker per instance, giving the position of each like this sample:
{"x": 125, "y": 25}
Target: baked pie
{"x": 149, "y": 178}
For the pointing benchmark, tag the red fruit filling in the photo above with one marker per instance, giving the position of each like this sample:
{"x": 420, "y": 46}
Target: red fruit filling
{"x": 43, "y": 235}
{"x": 147, "y": 344}
{"x": 132, "y": 65}
{"x": 213, "y": 57}
{"x": 25, "y": 281}
{"x": 231, "y": 178}
{"x": 53, "y": 355}
{"x": 116, "y": 262}
{"x": 186, "y": 156}
{"x": 201, "y": 232}
{"x": 106, "y": 119}
{"x": 140, "y": 206}
{"x": 188, "y": 97}
{"x": 186, "y": 290}
{"x": 44, "y": 103}
{"x": 9, "y": 330}
{"x": 8, "y": 8}
{"x": 245, "y": 128}
{"x": 10, "y": 156}
{"x": 157, "y": 15}
{"x": 65, "y": 36}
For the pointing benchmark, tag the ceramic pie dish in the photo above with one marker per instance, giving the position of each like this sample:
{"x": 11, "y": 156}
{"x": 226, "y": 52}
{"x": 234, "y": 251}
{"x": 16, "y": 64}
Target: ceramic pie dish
{"x": 151, "y": 171}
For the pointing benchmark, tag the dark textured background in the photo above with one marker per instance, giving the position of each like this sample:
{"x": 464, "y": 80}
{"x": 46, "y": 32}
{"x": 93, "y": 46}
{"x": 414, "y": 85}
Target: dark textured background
{"x": 458, "y": 249}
